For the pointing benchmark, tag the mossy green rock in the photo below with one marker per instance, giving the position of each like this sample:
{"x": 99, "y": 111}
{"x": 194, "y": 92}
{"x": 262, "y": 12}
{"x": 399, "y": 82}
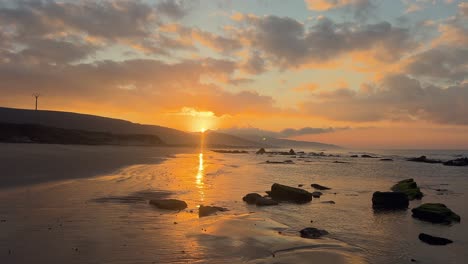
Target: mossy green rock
{"x": 435, "y": 213}
{"x": 408, "y": 187}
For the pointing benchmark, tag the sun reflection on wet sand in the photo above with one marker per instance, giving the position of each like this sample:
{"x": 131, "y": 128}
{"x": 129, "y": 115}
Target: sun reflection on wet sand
{"x": 201, "y": 169}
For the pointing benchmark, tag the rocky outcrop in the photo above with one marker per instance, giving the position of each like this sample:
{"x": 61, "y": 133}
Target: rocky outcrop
{"x": 457, "y": 162}
{"x": 169, "y": 204}
{"x": 319, "y": 187}
{"x": 435, "y": 213}
{"x": 312, "y": 233}
{"x": 291, "y": 152}
{"x": 389, "y": 200}
{"x": 424, "y": 159}
{"x": 230, "y": 151}
{"x": 281, "y": 192}
{"x": 386, "y": 159}
{"x": 261, "y": 151}
{"x": 209, "y": 210}
{"x": 251, "y": 198}
{"x": 408, "y": 187}
{"x": 433, "y": 240}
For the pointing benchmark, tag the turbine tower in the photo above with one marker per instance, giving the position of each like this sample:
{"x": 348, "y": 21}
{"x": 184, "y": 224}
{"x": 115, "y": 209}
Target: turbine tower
{"x": 36, "y": 95}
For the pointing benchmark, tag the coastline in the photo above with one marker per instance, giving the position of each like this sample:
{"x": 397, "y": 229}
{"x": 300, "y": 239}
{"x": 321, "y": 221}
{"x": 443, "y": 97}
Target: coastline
{"x": 42, "y": 163}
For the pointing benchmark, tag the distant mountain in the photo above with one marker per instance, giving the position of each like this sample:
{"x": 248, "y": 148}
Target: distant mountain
{"x": 286, "y": 143}
{"x": 84, "y": 122}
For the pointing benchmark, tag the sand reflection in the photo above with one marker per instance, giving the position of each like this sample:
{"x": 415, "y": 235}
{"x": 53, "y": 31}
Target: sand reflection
{"x": 199, "y": 178}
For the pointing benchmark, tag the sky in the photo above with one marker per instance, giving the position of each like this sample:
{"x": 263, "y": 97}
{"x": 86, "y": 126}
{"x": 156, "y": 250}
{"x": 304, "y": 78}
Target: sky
{"x": 357, "y": 73}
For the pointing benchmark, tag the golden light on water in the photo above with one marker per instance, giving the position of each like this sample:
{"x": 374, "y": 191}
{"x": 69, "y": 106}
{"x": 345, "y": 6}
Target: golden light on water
{"x": 199, "y": 177}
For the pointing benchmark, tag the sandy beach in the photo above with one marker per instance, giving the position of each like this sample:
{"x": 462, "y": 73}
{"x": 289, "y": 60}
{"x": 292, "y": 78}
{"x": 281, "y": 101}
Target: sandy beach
{"x": 100, "y": 212}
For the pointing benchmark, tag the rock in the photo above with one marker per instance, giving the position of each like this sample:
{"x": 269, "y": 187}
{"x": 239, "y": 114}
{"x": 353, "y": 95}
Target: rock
{"x": 169, "y": 204}
{"x": 319, "y": 187}
{"x": 457, "y": 162}
{"x": 209, "y": 210}
{"x": 317, "y": 194}
{"x": 386, "y": 159}
{"x": 280, "y": 162}
{"x": 424, "y": 159}
{"x": 251, "y": 198}
{"x": 281, "y": 192}
{"x": 261, "y": 151}
{"x": 268, "y": 193}
{"x": 265, "y": 202}
{"x": 337, "y": 161}
{"x": 389, "y": 200}
{"x": 408, "y": 187}
{"x": 366, "y": 156}
{"x": 328, "y": 202}
{"x": 300, "y": 185}
{"x": 433, "y": 240}
{"x": 291, "y": 152}
{"x": 435, "y": 213}
{"x": 311, "y": 232}
{"x": 354, "y": 156}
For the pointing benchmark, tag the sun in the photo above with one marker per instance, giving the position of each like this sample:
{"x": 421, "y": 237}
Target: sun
{"x": 203, "y": 130}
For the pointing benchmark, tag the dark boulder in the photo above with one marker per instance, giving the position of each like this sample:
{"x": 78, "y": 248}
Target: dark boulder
{"x": 281, "y": 192}
{"x": 251, "y": 198}
{"x": 457, "y": 162}
{"x": 389, "y": 200}
{"x": 386, "y": 159}
{"x": 317, "y": 194}
{"x": 328, "y": 202}
{"x": 424, "y": 159}
{"x": 209, "y": 210}
{"x": 354, "y": 156}
{"x": 408, "y": 187}
{"x": 169, "y": 204}
{"x": 311, "y": 232}
{"x": 262, "y": 201}
{"x": 319, "y": 187}
{"x": 261, "y": 151}
{"x": 433, "y": 240}
{"x": 435, "y": 213}
{"x": 366, "y": 156}
{"x": 291, "y": 152}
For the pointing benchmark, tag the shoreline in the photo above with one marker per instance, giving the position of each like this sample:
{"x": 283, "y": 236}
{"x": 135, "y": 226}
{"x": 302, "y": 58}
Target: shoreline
{"x": 42, "y": 163}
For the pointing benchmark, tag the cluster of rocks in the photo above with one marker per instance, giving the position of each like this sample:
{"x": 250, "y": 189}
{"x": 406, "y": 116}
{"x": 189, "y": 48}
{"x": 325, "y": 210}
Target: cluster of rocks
{"x": 399, "y": 198}
{"x": 283, "y": 193}
{"x": 263, "y": 151}
{"x": 230, "y": 151}
{"x": 178, "y": 205}
{"x": 455, "y": 162}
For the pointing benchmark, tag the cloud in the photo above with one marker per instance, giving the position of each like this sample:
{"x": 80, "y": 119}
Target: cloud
{"x": 287, "y": 42}
{"x": 323, "y": 5}
{"x": 172, "y": 8}
{"x": 395, "y": 97}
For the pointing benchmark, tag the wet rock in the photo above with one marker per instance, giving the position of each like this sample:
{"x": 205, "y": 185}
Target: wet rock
{"x": 386, "y": 159}
{"x": 424, "y": 159}
{"x": 209, "y": 210}
{"x": 319, "y": 187}
{"x": 280, "y": 162}
{"x": 435, "y": 213}
{"x": 265, "y": 202}
{"x": 317, "y": 194}
{"x": 313, "y": 233}
{"x": 366, "y": 156}
{"x": 408, "y": 187}
{"x": 291, "y": 152}
{"x": 169, "y": 204}
{"x": 281, "y": 192}
{"x": 337, "y": 161}
{"x": 328, "y": 202}
{"x": 457, "y": 162}
{"x": 433, "y": 240}
{"x": 251, "y": 198}
{"x": 389, "y": 200}
{"x": 354, "y": 156}
{"x": 261, "y": 151}
{"x": 300, "y": 185}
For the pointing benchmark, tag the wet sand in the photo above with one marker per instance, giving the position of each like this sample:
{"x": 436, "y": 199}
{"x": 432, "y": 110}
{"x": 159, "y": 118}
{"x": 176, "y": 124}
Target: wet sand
{"x": 28, "y": 164}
